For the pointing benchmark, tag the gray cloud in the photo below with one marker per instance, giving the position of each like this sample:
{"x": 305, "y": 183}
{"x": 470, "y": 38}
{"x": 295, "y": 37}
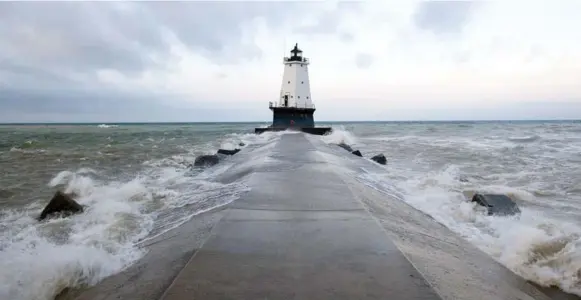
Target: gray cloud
{"x": 129, "y": 36}
{"x": 363, "y": 60}
{"x": 461, "y": 57}
{"x": 71, "y": 102}
{"x": 79, "y": 36}
{"x": 62, "y": 40}
{"x": 215, "y": 29}
{"x": 105, "y": 106}
{"x": 72, "y": 37}
{"x": 50, "y": 52}
{"x": 346, "y": 37}
{"x": 327, "y": 22}
{"x": 443, "y": 17}
{"x": 13, "y": 74}
{"x": 546, "y": 110}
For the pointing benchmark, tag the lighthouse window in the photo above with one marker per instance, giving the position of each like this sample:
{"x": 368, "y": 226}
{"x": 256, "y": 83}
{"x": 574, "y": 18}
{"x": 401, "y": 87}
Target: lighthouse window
{"x": 307, "y": 97}
{"x": 299, "y": 97}
{"x": 289, "y": 82}
{"x": 302, "y": 82}
{"x": 292, "y": 96}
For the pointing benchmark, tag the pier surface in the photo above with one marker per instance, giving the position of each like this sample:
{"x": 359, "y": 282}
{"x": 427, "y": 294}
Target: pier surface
{"x": 298, "y": 234}
{"x": 309, "y": 229}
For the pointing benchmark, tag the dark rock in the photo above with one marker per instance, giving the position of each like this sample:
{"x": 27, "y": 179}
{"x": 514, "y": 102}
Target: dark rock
{"x": 496, "y": 204}
{"x": 61, "y": 203}
{"x": 346, "y": 147}
{"x": 241, "y": 144}
{"x": 206, "y": 160}
{"x": 380, "y": 159}
{"x": 357, "y": 152}
{"x": 63, "y": 293}
{"x": 228, "y": 152}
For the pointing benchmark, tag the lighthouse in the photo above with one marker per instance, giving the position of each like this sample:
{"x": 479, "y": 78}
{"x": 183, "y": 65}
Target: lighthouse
{"x": 294, "y": 109}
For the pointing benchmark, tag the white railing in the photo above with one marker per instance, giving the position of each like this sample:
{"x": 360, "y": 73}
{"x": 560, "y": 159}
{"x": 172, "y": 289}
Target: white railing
{"x": 275, "y": 105}
{"x": 303, "y": 60}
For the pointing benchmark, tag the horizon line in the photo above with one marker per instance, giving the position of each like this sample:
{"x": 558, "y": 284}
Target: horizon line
{"x": 255, "y": 122}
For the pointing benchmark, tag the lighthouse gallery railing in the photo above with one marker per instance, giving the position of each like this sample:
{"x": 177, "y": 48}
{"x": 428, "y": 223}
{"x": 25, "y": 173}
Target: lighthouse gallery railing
{"x": 276, "y": 105}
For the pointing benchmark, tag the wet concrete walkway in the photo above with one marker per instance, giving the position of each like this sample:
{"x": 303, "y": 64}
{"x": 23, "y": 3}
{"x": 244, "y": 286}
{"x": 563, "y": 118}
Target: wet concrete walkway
{"x": 299, "y": 235}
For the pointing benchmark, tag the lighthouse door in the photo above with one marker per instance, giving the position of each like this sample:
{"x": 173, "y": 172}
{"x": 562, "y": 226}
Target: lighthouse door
{"x": 286, "y": 100}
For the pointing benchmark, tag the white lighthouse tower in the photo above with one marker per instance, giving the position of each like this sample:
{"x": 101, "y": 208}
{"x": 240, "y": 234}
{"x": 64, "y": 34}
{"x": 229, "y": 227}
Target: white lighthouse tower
{"x": 294, "y": 108}
{"x": 295, "y": 90}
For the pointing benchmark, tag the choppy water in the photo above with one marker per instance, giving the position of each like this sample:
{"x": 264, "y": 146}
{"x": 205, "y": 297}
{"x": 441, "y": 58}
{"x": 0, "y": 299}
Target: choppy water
{"x": 135, "y": 183}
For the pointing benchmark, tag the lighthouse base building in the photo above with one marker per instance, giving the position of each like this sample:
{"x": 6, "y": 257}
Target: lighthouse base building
{"x": 294, "y": 109}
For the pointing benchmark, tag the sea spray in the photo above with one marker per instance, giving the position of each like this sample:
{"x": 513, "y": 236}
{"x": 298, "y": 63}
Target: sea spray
{"x": 437, "y": 172}
{"x": 124, "y": 209}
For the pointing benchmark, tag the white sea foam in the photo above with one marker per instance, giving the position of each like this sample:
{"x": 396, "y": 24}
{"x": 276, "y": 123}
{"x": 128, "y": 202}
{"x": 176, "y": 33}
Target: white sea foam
{"x": 524, "y": 139}
{"x": 39, "y": 259}
{"x": 425, "y": 168}
{"x": 107, "y": 126}
{"x": 534, "y": 244}
{"x": 340, "y": 135}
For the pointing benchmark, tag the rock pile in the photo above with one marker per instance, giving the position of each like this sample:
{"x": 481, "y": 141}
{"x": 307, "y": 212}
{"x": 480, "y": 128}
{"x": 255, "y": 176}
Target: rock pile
{"x": 213, "y": 159}
{"x": 379, "y": 158}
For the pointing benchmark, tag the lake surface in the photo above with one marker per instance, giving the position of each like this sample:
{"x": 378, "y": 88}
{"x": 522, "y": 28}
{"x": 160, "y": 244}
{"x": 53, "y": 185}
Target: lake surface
{"x": 136, "y": 184}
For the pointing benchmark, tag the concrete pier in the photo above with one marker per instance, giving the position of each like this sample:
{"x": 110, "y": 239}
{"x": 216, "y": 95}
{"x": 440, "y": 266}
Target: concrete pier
{"x": 310, "y": 230}
{"x": 297, "y": 236}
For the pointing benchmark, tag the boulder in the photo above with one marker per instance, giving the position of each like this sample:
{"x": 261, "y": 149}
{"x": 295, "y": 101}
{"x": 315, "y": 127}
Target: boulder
{"x": 206, "y": 160}
{"x": 357, "y": 152}
{"x": 228, "y": 152}
{"x": 241, "y": 144}
{"x": 346, "y": 147}
{"x": 60, "y": 203}
{"x": 380, "y": 159}
{"x": 496, "y": 204}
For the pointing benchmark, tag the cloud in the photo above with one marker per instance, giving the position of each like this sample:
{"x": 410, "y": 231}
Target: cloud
{"x": 326, "y": 20}
{"x": 94, "y": 57}
{"x": 443, "y": 17}
{"x": 114, "y": 106}
{"x": 223, "y": 60}
{"x": 80, "y": 37}
{"x": 68, "y": 38}
{"x": 363, "y": 61}
{"x": 216, "y": 29}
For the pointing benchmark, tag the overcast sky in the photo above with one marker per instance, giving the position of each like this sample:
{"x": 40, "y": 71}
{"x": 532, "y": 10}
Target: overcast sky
{"x": 222, "y": 61}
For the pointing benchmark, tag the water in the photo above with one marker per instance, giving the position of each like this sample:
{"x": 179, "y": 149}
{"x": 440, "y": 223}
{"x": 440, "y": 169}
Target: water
{"x": 135, "y": 182}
